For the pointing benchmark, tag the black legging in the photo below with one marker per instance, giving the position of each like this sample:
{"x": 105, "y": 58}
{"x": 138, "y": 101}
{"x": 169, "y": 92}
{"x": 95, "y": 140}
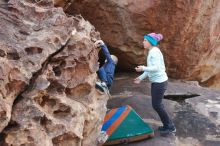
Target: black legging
{"x": 157, "y": 93}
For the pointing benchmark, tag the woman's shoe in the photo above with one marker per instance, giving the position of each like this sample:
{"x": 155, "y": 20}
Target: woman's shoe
{"x": 166, "y": 131}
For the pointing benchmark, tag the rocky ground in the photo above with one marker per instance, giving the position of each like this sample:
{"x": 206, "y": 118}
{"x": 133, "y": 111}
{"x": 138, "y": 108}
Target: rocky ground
{"x": 194, "y": 110}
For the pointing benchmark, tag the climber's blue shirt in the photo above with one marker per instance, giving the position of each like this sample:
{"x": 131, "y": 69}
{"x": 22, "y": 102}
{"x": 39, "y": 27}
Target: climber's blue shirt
{"x": 109, "y": 65}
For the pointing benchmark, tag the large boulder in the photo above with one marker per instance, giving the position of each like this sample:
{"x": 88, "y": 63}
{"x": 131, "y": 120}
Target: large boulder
{"x": 191, "y": 33}
{"x": 48, "y": 70}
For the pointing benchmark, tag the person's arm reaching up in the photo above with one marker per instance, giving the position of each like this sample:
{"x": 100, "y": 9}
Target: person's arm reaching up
{"x": 104, "y": 48}
{"x": 106, "y": 52}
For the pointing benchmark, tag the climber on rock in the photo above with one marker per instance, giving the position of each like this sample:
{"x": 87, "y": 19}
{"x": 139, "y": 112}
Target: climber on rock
{"x": 106, "y": 72}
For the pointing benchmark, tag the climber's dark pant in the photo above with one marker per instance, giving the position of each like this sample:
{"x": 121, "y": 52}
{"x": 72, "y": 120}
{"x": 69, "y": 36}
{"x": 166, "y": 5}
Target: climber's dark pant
{"x": 104, "y": 77}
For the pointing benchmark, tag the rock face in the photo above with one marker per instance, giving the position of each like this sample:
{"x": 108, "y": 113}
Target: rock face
{"x": 191, "y": 33}
{"x": 47, "y": 74}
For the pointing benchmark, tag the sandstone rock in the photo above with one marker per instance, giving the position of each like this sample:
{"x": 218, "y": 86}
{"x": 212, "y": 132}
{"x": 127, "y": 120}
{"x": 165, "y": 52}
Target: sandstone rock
{"x": 190, "y": 28}
{"x": 24, "y": 49}
{"x": 48, "y": 70}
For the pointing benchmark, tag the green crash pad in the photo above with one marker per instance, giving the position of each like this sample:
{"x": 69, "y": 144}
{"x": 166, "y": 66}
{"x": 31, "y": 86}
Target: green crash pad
{"x": 123, "y": 125}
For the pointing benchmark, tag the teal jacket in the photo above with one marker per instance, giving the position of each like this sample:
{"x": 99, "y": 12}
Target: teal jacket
{"x": 155, "y": 69}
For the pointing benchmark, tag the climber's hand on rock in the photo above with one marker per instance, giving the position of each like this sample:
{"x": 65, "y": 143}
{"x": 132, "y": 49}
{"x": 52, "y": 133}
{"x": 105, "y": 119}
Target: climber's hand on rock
{"x": 99, "y": 43}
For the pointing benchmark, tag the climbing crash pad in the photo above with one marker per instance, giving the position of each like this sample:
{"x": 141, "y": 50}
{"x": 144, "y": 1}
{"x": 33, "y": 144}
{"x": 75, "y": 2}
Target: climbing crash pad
{"x": 123, "y": 125}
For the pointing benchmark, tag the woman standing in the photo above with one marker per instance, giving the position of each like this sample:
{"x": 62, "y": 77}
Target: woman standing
{"x": 155, "y": 71}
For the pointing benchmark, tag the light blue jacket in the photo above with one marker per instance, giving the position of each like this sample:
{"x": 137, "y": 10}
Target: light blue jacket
{"x": 155, "y": 69}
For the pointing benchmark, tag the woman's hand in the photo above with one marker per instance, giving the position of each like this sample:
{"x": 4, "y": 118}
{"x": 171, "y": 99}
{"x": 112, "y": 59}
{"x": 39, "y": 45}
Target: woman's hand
{"x": 137, "y": 81}
{"x": 139, "y": 68}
